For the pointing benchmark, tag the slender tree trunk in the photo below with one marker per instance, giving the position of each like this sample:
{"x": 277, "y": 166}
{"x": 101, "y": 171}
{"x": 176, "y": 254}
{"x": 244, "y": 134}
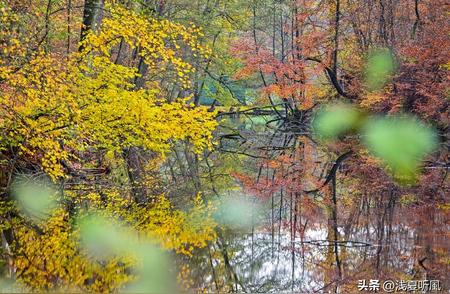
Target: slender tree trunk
{"x": 139, "y": 81}
{"x": 135, "y": 171}
{"x": 336, "y": 37}
{"x": 256, "y": 52}
{"x": 92, "y": 17}
{"x": 382, "y": 32}
{"x": 417, "y": 21}
{"x": 335, "y": 227}
{"x": 69, "y": 20}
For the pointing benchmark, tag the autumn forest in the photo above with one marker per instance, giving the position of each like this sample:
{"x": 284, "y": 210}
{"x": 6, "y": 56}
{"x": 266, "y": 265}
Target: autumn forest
{"x": 215, "y": 146}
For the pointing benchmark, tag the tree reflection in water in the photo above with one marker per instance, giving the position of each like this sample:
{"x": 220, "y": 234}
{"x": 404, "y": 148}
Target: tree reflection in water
{"x": 322, "y": 233}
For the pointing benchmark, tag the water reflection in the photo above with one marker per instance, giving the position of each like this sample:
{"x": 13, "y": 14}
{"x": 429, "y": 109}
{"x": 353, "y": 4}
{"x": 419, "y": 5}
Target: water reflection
{"x": 403, "y": 248}
{"x": 317, "y": 233}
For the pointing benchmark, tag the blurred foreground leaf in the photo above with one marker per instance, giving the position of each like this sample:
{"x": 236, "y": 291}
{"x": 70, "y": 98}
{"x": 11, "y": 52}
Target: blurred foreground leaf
{"x": 401, "y": 142}
{"x": 334, "y": 120}
{"x": 236, "y": 212}
{"x": 379, "y": 69}
{"x": 11, "y": 286}
{"x": 35, "y": 197}
{"x": 104, "y": 239}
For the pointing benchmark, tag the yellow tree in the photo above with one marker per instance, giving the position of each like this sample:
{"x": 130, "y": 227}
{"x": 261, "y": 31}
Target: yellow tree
{"x": 57, "y": 112}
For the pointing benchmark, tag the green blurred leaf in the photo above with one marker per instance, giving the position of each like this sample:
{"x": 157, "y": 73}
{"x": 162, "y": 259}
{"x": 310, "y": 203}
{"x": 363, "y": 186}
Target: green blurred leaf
{"x": 379, "y": 68}
{"x": 154, "y": 276}
{"x": 12, "y": 286}
{"x": 37, "y": 198}
{"x": 105, "y": 239}
{"x": 236, "y": 212}
{"x": 334, "y": 120}
{"x": 401, "y": 142}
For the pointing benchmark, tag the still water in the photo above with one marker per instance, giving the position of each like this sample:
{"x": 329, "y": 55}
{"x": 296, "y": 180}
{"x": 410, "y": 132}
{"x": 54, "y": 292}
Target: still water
{"x": 412, "y": 244}
{"x": 298, "y": 242}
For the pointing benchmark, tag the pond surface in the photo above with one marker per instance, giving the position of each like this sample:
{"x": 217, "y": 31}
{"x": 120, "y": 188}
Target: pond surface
{"x": 306, "y": 242}
{"x": 410, "y": 245}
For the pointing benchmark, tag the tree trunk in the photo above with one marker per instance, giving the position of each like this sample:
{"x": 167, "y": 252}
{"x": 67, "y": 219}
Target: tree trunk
{"x": 134, "y": 159}
{"x": 336, "y": 37}
{"x": 92, "y": 17}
